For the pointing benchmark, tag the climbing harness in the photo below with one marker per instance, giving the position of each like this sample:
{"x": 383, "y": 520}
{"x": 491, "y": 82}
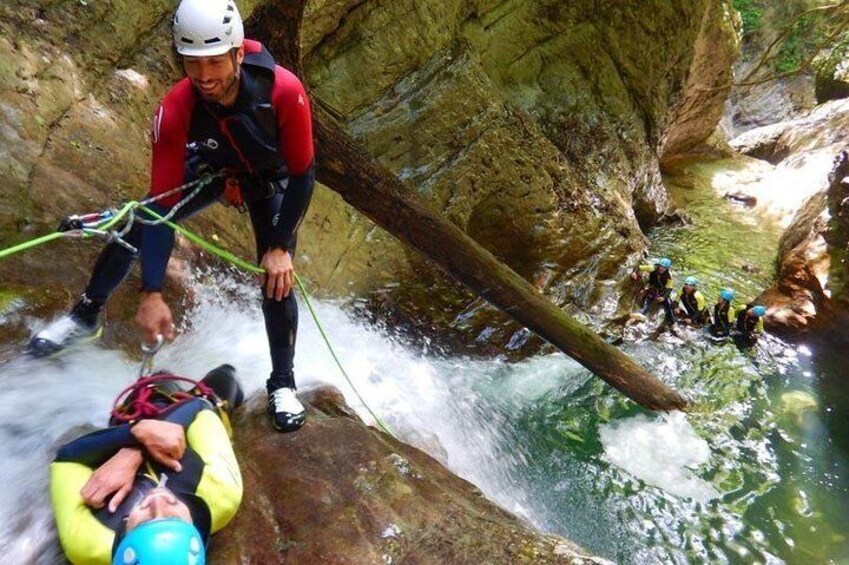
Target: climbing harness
{"x": 139, "y": 399}
{"x": 139, "y": 405}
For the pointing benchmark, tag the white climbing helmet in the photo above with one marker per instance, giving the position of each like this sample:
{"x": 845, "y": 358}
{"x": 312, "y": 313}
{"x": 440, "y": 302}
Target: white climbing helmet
{"x": 204, "y": 28}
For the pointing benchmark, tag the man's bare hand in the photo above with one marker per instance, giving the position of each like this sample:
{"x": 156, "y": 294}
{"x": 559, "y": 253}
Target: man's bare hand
{"x": 279, "y": 275}
{"x": 164, "y": 441}
{"x": 114, "y": 476}
{"x": 154, "y": 318}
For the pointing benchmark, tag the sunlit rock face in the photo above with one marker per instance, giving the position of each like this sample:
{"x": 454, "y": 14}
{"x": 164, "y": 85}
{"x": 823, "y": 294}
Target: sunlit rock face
{"x": 810, "y": 296}
{"x": 755, "y": 102}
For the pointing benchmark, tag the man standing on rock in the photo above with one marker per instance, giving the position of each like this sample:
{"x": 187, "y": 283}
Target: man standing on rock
{"x": 239, "y": 114}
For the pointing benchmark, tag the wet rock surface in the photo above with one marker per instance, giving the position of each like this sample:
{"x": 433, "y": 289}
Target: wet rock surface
{"x": 337, "y": 491}
{"x": 810, "y": 296}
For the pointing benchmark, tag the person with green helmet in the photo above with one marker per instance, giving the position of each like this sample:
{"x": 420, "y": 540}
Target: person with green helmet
{"x": 749, "y": 325}
{"x": 693, "y": 308}
{"x": 152, "y": 487}
{"x": 723, "y": 314}
{"x": 658, "y": 287}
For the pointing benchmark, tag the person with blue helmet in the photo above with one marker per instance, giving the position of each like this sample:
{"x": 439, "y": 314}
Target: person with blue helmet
{"x": 723, "y": 314}
{"x": 693, "y": 308}
{"x": 658, "y": 287}
{"x": 153, "y": 486}
{"x": 749, "y": 325}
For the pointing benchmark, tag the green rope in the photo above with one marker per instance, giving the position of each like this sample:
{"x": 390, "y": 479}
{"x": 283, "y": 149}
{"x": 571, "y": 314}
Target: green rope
{"x": 226, "y": 255}
{"x": 31, "y": 243}
{"x": 60, "y": 234}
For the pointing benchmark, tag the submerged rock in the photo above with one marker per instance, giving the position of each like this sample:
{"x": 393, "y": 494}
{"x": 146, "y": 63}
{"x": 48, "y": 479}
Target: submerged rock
{"x": 338, "y": 491}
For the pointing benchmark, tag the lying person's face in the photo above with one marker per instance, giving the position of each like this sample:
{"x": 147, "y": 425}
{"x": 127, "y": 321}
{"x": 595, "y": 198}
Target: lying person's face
{"x": 159, "y": 503}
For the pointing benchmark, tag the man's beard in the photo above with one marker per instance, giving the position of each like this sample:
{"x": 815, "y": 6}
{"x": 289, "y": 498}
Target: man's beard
{"x": 232, "y": 83}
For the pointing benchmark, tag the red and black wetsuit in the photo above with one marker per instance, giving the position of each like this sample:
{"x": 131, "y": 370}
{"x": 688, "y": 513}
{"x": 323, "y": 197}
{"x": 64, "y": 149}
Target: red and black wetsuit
{"x": 265, "y": 140}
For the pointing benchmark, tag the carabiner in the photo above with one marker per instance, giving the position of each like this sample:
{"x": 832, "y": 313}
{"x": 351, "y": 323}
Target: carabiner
{"x": 148, "y": 351}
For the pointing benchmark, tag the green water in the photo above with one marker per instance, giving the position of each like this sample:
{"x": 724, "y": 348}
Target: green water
{"x": 773, "y": 421}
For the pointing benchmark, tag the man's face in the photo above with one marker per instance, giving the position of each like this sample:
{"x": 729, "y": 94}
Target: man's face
{"x": 159, "y": 503}
{"x": 214, "y": 77}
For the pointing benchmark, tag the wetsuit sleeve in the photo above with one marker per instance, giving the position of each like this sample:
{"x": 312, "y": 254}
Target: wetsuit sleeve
{"x": 169, "y": 135}
{"x": 83, "y": 537}
{"x": 185, "y": 413}
{"x": 96, "y": 448}
{"x": 295, "y": 144}
{"x": 759, "y": 328}
{"x": 700, "y": 301}
{"x": 220, "y": 484}
{"x": 732, "y": 314}
{"x": 645, "y": 268}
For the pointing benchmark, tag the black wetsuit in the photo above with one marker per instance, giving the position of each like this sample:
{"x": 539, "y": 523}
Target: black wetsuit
{"x": 659, "y": 286}
{"x": 265, "y": 139}
{"x": 721, "y": 326}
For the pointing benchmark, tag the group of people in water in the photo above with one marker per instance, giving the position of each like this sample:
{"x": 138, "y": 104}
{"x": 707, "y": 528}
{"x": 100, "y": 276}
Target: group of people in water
{"x": 745, "y": 324}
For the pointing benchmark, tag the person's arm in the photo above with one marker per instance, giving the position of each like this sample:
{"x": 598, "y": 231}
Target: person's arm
{"x": 759, "y": 328}
{"x": 83, "y": 537}
{"x": 220, "y": 484}
{"x": 700, "y": 302}
{"x": 169, "y": 135}
{"x": 95, "y": 448}
{"x": 295, "y": 144}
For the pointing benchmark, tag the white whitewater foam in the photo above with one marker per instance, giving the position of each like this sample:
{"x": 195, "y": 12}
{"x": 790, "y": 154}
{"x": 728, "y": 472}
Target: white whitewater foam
{"x": 661, "y": 452}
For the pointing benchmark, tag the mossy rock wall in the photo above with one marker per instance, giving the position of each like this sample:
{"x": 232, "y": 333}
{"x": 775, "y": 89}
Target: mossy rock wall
{"x": 535, "y": 126}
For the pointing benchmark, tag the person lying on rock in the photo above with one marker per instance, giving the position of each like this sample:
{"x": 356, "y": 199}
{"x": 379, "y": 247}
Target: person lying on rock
{"x": 658, "y": 288}
{"x": 691, "y": 306}
{"x": 153, "y": 486}
{"x": 238, "y": 115}
{"x": 749, "y": 325}
{"x": 724, "y": 313}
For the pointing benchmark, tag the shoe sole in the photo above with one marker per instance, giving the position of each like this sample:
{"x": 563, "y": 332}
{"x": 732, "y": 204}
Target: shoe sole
{"x": 293, "y": 425}
{"x": 64, "y": 349}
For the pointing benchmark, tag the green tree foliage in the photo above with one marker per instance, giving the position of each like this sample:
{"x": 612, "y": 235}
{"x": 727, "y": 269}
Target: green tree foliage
{"x": 803, "y": 28}
{"x": 751, "y": 14}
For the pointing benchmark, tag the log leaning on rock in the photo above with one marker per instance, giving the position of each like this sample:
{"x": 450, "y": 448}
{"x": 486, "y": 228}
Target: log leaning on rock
{"x": 345, "y": 167}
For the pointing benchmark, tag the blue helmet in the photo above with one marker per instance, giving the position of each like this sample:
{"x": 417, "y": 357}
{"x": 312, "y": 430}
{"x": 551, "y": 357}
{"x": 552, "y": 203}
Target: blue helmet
{"x": 168, "y": 540}
{"x": 691, "y": 281}
{"x": 664, "y": 262}
{"x": 758, "y": 310}
{"x": 727, "y": 294}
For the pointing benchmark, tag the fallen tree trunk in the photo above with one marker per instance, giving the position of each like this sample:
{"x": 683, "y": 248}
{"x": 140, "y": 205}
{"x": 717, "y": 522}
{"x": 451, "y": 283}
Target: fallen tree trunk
{"x": 345, "y": 167}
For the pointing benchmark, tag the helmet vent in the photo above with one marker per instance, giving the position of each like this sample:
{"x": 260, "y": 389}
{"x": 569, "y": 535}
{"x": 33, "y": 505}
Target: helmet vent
{"x": 187, "y": 40}
{"x": 227, "y": 19}
{"x": 231, "y": 8}
{"x": 211, "y": 41}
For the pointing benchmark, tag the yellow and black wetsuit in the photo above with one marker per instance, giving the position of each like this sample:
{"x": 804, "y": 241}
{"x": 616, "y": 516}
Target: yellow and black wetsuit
{"x": 748, "y": 328}
{"x": 723, "y": 319}
{"x": 210, "y": 476}
{"x": 659, "y": 285}
{"x": 694, "y": 306}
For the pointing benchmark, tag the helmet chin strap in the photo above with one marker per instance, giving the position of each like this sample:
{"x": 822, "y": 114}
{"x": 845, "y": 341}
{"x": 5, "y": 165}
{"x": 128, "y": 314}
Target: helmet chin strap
{"x": 234, "y": 80}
